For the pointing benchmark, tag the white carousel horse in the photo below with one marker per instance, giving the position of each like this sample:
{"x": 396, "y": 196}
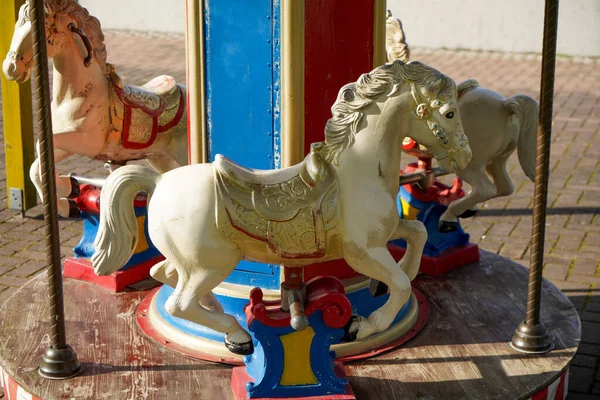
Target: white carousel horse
{"x": 93, "y": 112}
{"x": 495, "y": 127}
{"x": 340, "y": 202}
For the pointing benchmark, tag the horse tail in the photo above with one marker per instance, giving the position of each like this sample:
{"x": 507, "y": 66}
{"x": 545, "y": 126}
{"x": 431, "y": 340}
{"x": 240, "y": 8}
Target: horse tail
{"x": 466, "y": 86}
{"x": 526, "y": 110}
{"x": 117, "y": 231}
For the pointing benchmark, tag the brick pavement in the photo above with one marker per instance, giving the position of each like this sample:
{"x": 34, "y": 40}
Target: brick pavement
{"x": 572, "y": 247}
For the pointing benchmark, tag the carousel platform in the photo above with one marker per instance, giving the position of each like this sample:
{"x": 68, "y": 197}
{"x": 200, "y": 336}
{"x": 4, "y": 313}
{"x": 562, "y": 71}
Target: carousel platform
{"x": 461, "y": 353}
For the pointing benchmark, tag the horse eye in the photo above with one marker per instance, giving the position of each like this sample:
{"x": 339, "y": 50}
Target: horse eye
{"x": 450, "y": 114}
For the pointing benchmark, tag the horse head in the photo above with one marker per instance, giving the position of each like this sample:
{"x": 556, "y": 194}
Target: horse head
{"x": 65, "y": 22}
{"x": 437, "y": 124}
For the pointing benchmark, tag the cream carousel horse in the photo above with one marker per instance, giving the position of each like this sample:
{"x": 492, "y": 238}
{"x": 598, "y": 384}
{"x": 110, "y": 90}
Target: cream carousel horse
{"x": 93, "y": 112}
{"x": 340, "y": 202}
{"x": 495, "y": 127}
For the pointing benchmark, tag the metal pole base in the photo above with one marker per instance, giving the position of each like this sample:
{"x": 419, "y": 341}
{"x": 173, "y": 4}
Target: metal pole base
{"x": 60, "y": 364}
{"x": 531, "y": 339}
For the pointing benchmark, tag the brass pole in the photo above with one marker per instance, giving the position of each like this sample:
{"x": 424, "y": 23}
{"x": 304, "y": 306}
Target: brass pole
{"x": 59, "y": 360}
{"x": 194, "y": 54}
{"x": 531, "y": 335}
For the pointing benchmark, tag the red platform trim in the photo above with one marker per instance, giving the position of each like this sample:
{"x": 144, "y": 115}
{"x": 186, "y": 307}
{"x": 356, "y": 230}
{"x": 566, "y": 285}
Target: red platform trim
{"x": 81, "y": 269}
{"x": 239, "y": 379}
{"x": 447, "y": 261}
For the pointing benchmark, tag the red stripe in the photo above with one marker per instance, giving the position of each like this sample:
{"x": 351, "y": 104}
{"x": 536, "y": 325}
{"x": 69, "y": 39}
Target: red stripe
{"x": 338, "y": 49}
{"x": 541, "y": 395}
{"x": 560, "y": 390}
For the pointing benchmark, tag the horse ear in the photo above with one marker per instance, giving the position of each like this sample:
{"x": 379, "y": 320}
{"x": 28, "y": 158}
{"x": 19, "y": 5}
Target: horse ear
{"x": 348, "y": 94}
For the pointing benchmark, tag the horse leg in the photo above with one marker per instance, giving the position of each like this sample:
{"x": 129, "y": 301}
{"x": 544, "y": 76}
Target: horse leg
{"x": 63, "y": 184}
{"x": 502, "y": 180}
{"x": 167, "y": 274}
{"x": 185, "y": 303}
{"x": 415, "y": 235}
{"x": 482, "y": 189}
{"x": 377, "y": 263}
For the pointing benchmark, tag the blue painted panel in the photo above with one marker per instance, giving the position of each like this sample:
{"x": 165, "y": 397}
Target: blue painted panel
{"x": 239, "y": 79}
{"x": 242, "y": 67}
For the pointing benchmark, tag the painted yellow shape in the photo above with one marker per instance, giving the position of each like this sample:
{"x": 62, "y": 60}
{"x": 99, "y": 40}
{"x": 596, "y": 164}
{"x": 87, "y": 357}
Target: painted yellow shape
{"x": 408, "y": 211}
{"x": 296, "y": 358}
{"x": 142, "y": 242}
{"x": 18, "y": 120}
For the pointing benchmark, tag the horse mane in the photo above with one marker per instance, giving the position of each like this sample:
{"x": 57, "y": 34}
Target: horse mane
{"x": 87, "y": 23}
{"x": 348, "y": 110}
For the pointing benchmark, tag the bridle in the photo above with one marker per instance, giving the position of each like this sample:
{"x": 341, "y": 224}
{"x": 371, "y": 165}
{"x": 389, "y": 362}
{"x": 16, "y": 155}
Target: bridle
{"x": 13, "y": 56}
{"x": 87, "y": 61}
{"x": 423, "y": 112}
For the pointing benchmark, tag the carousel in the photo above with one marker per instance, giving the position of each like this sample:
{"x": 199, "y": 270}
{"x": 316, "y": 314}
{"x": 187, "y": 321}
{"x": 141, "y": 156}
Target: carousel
{"x": 289, "y": 258}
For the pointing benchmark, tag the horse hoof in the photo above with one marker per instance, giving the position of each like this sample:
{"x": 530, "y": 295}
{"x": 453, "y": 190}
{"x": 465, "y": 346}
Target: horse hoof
{"x": 243, "y": 349}
{"x": 447, "y": 226}
{"x": 468, "y": 214}
{"x": 350, "y": 335}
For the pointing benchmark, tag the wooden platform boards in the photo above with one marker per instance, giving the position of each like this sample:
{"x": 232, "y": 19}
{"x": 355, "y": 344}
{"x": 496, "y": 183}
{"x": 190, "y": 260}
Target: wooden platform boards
{"x": 462, "y": 353}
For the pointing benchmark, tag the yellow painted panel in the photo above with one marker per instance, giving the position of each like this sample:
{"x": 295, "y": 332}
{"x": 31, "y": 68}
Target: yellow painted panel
{"x": 296, "y": 358}
{"x": 17, "y": 113}
{"x": 142, "y": 243}
{"x": 408, "y": 211}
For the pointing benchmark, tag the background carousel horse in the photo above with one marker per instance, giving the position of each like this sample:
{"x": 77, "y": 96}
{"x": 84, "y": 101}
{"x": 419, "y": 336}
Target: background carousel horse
{"x": 495, "y": 127}
{"x": 340, "y": 202}
{"x": 93, "y": 112}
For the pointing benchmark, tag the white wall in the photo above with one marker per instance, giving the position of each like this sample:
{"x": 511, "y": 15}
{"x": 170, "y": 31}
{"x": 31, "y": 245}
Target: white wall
{"x": 498, "y": 25}
{"x": 139, "y": 15}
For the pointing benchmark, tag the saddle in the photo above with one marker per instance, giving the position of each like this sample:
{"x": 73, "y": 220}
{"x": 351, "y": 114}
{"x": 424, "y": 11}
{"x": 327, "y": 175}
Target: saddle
{"x": 153, "y": 108}
{"x": 290, "y": 209}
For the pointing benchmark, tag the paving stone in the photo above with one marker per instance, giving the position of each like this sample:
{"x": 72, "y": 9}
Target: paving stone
{"x": 585, "y": 266}
{"x": 590, "y": 316}
{"x": 590, "y": 332}
{"x": 556, "y": 271}
{"x": 28, "y": 269}
{"x": 581, "y": 379}
{"x": 582, "y": 360}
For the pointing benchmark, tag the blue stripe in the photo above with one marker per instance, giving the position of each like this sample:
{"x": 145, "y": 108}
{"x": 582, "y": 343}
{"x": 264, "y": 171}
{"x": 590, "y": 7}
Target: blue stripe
{"x": 242, "y": 75}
